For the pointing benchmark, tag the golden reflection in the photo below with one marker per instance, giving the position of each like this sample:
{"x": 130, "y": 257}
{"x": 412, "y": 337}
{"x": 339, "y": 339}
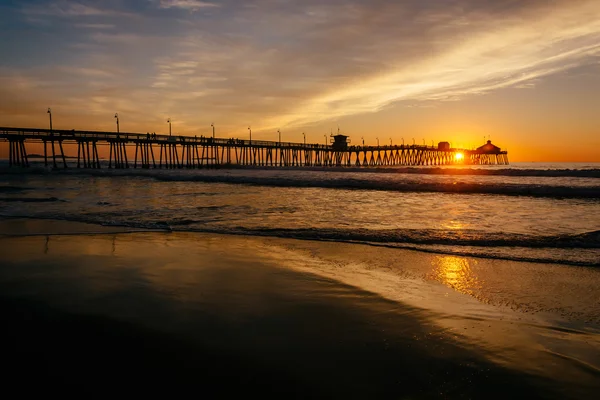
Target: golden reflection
{"x": 456, "y": 273}
{"x": 454, "y": 225}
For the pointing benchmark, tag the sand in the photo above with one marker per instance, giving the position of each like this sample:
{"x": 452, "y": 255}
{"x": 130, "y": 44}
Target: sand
{"x": 218, "y": 315}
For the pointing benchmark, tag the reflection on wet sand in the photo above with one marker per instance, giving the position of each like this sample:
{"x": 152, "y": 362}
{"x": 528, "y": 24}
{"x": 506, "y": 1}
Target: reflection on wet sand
{"x": 220, "y": 314}
{"x": 338, "y": 306}
{"x": 456, "y": 272}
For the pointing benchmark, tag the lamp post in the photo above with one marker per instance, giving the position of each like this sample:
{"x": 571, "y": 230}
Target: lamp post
{"x": 325, "y": 136}
{"x": 413, "y": 141}
{"x": 169, "y": 121}
{"x": 50, "y": 115}
{"x": 213, "y": 129}
{"x": 390, "y": 141}
{"x": 377, "y": 141}
{"x": 117, "y": 118}
{"x": 402, "y": 141}
{"x": 279, "y": 132}
{"x": 431, "y": 142}
{"x": 363, "y": 140}
{"x": 304, "y": 134}
{"x": 250, "y": 130}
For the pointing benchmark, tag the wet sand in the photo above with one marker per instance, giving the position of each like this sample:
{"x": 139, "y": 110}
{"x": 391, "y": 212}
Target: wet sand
{"x": 216, "y": 315}
{"x": 42, "y": 227}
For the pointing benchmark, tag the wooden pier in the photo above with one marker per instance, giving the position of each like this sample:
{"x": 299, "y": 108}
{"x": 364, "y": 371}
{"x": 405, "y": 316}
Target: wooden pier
{"x": 133, "y": 150}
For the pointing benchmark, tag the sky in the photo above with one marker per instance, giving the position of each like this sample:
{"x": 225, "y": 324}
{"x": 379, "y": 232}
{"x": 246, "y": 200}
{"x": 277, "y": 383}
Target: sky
{"x": 525, "y": 74}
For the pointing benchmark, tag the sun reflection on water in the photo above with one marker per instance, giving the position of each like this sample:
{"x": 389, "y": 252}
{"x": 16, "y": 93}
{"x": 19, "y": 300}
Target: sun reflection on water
{"x": 454, "y": 225}
{"x": 457, "y": 273}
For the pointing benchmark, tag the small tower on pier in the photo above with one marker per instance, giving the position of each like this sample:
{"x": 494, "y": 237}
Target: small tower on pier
{"x": 489, "y": 148}
{"x": 339, "y": 142}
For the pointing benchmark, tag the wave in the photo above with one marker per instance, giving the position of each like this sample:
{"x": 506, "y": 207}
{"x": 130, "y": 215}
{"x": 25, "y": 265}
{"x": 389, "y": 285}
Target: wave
{"x": 556, "y": 170}
{"x": 550, "y": 173}
{"x": 513, "y": 247}
{"x": 13, "y": 189}
{"x": 560, "y": 192}
{"x": 393, "y": 183}
{"x": 29, "y": 199}
{"x": 588, "y": 172}
{"x": 577, "y": 249}
{"x": 589, "y": 240}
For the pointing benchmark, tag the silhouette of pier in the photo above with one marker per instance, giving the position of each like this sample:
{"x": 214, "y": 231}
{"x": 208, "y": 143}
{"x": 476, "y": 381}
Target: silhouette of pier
{"x": 133, "y": 150}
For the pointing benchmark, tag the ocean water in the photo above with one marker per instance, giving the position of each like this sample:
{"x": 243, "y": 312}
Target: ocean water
{"x": 546, "y": 213}
{"x": 477, "y": 282}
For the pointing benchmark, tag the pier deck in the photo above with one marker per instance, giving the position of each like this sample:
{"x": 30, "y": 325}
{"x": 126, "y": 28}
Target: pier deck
{"x": 133, "y": 150}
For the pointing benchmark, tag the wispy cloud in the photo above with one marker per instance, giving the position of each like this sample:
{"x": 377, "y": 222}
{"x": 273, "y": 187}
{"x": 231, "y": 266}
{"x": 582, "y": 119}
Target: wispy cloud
{"x": 192, "y": 5}
{"x": 66, "y": 9}
{"x": 296, "y": 67}
{"x": 285, "y": 63}
{"x": 95, "y": 26}
{"x": 75, "y": 9}
{"x": 505, "y": 54}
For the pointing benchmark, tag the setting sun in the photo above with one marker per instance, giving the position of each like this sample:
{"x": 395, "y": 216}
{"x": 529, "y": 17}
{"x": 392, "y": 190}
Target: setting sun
{"x": 459, "y": 156}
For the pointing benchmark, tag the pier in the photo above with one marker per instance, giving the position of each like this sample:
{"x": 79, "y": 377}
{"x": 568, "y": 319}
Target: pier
{"x": 139, "y": 150}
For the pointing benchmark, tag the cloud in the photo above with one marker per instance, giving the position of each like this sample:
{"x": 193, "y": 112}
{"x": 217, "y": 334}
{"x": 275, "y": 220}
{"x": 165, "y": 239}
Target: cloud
{"x": 192, "y": 5}
{"x": 505, "y": 53}
{"x": 85, "y": 9}
{"x": 296, "y": 66}
{"x": 66, "y": 9}
{"x": 284, "y": 64}
{"x": 95, "y": 26}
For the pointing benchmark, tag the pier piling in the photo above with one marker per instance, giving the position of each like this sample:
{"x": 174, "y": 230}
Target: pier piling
{"x": 193, "y": 152}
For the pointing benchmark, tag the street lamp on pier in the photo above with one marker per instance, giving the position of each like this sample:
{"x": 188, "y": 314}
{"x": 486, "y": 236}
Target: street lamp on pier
{"x": 402, "y": 141}
{"x": 424, "y": 142}
{"x": 304, "y": 134}
{"x": 432, "y": 143}
{"x": 279, "y": 132}
{"x": 325, "y": 136}
{"x": 250, "y": 130}
{"x": 413, "y": 141}
{"x": 213, "y": 129}
{"x": 390, "y": 141}
{"x": 377, "y": 141}
{"x": 50, "y": 115}
{"x": 169, "y": 122}
{"x": 363, "y": 140}
{"x": 117, "y": 118}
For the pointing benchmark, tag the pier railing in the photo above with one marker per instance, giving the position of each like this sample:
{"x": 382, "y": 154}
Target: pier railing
{"x": 175, "y": 151}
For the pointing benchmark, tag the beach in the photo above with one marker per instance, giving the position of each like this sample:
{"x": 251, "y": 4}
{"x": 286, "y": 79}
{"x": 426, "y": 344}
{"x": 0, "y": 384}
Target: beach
{"x": 412, "y": 284}
{"x": 300, "y": 199}
{"x": 240, "y": 315}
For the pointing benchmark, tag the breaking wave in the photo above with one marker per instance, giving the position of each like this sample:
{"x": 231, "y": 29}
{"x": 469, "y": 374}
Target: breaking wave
{"x": 577, "y": 249}
{"x": 566, "y": 188}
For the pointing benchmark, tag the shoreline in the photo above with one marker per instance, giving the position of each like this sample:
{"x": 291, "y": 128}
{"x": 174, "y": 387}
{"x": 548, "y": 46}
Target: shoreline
{"x": 16, "y": 227}
{"x": 590, "y": 169}
{"x": 404, "y": 284}
{"x": 470, "y": 186}
{"x": 23, "y": 227}
{"x": 37, "y": 226}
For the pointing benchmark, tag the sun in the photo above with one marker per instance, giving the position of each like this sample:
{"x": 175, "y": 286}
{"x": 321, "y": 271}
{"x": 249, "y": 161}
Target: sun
{"x": 459, "y": 156}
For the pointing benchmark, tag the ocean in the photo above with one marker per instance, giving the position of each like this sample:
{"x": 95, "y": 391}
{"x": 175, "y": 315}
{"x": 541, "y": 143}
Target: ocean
{"x": 426, "y": 282}
{"x": 527, "y": 212}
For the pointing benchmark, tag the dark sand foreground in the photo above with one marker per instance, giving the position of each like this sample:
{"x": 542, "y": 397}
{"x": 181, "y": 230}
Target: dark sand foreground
{"x": 217, "y": 316}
